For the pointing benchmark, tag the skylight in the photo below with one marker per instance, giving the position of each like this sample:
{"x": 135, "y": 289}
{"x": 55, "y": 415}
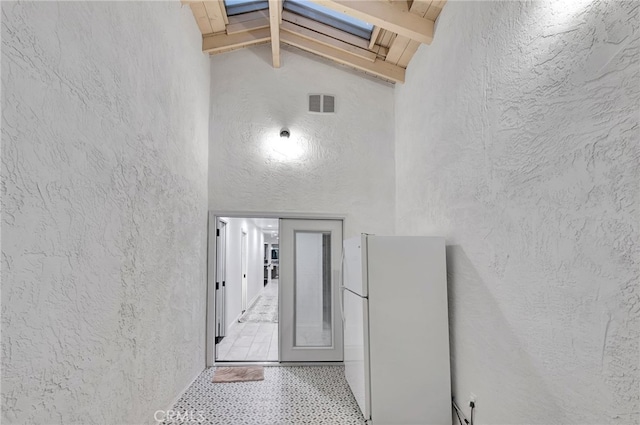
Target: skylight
{"x": 329, "y": 17}
{"x": 236, "y": 7}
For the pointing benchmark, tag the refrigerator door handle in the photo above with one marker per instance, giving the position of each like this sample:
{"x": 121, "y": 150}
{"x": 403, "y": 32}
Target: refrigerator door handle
{"x": 342, "y": 287}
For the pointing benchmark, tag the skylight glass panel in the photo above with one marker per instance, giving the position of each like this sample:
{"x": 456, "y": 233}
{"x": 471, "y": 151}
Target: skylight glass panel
{"x": 236, "y": 7}
{"x": 330, "y": 17}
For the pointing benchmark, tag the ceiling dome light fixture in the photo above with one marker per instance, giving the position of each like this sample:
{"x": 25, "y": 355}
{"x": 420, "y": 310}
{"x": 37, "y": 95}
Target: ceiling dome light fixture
{"x": 285, "y": 133}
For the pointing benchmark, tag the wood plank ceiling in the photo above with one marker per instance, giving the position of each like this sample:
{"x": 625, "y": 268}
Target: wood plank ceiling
{"x": 400, "y": 26}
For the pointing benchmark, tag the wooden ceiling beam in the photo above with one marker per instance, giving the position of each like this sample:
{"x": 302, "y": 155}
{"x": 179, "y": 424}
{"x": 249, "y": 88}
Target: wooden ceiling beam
{"x": 374, "y": 37}
{"x": 223, "y": 9}
{"x": 324, "y": 29}
{"x": 274, "y": 24}
{"x": 378, "y": 68}
{"x": 381, "y": 52}
{"x": 202, "y": 19}
{"x": 218, "y": 43}
{"x": 328, "y": 41}
{"x": 214, "y": 11}
{"x": 400, "y": 44}
{"x": 403, "y": 49}
{"x": 281, "y": 10}
{"x": 249, "y": 16}
{"x": 386, "y": 15}
{"x": 435, "y": 9}
{"x": 234, "y": 28}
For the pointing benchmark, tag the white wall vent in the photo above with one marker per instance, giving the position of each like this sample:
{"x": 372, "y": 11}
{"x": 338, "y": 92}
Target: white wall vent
{"x": 322, "y": 103}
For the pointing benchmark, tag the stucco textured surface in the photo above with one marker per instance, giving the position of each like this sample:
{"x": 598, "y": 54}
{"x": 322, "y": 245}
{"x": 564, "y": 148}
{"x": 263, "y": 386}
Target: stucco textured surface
{"x": 104, "y": 209}
{"x": 518, "y": 139}
{"x": 345, "y": 163}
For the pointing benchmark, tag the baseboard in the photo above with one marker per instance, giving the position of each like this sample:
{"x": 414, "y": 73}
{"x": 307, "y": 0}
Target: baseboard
{"x": 237, "y": 319}
{"x": 250, "y": 304}
{"x": 175, "y": 400}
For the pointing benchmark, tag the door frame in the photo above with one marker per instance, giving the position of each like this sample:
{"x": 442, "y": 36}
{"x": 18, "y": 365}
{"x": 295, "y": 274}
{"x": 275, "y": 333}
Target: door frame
{"x": 212, "y": 269}
{"x": 244, "y": 260}
{"x": 212, "y": 274}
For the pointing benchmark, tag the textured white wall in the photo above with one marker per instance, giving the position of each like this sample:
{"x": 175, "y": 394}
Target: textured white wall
{"x": 348, "y": 161}
{"x": 104, "y": 209}
{"x": 518, "y": 139}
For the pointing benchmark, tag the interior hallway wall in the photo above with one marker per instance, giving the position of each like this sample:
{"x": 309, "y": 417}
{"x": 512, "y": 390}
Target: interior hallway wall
{"x": 347, "y": 161}
{"x": 255, "y": 254}
{"x": 104, "y": 209}
{"x": 255, "y": 264}
{"x": 518, "y": 140}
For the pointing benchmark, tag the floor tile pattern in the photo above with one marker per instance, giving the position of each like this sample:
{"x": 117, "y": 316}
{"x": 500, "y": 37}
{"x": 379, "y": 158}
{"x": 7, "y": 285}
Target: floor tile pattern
{"x": 287, "y": 396}
{"x": 251, "y": 341}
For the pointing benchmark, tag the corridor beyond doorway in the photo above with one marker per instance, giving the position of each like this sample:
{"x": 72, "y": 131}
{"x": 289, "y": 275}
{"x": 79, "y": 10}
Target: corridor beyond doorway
{"x": 245, "y": 276}
{"x": 252, "y": 340}
{"x": 247, "y": 328}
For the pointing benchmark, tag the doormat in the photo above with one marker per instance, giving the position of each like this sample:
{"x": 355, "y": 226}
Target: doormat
{"x": 238, "y": 374}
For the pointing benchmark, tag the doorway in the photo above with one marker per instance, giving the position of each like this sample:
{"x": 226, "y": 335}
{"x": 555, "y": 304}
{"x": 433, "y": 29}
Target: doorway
{"x": 221, "y": 260}
{"x": 243, "y": 267}
{"x": 248, "y": 303}
{"x": 264, "y": 310}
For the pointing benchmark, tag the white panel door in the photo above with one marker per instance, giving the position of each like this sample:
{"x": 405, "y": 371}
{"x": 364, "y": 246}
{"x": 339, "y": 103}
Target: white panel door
{"x": 243, "y": 267}
{"x": 310, "y": 258}
{"x": 221, "y": 277}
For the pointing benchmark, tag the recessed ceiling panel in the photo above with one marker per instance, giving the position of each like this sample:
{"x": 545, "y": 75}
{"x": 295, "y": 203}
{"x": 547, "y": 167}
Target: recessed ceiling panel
{"x": 237, "y": 7}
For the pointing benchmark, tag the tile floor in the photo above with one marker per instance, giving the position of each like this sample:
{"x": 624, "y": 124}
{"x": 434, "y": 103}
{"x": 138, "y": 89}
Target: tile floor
{"x": 288, "y": 395}
{"x": 251, "y": 341}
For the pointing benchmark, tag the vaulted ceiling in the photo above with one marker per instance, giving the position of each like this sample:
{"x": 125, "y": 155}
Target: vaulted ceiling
{"x": 393, "y": 29}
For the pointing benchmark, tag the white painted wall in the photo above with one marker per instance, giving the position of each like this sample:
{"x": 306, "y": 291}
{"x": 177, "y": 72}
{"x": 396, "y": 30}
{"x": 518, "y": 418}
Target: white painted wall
{"x": 104, "y": 209}
{"x": 347, "y": 163}
{"x": 255, "y": 255}
{"x": 233, "y": 283}
{"x": 268, "y": 238}
{"x": 518, "y": 139}
{"x": 255, "y": 266}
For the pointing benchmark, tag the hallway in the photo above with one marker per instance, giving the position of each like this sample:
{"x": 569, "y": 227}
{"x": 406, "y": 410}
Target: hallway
{"x": 254, "y": 339}
{"x": 288, "y": 395}
{"x": 129, "y": 127}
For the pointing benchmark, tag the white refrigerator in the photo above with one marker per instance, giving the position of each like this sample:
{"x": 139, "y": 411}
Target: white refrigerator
{"x": 396, "y": 332}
